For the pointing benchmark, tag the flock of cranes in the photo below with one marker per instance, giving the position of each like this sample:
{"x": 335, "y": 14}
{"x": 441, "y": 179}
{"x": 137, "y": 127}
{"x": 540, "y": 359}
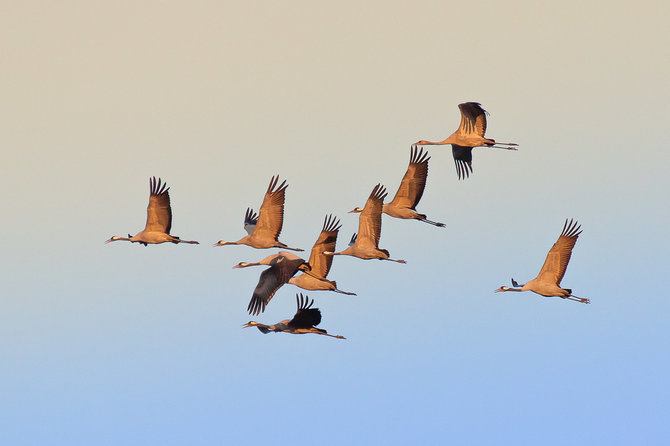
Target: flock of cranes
{"x": 263, "y": 230}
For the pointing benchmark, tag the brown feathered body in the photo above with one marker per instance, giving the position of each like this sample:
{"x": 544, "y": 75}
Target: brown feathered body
{"x": 270, "y": 221}
{"x": 470, "y": 133}
{"x": 366, "y": 243}
{"x": 159, "y": 218}
{"x": 320, "y": 263}
{"x": 548, "y": 281}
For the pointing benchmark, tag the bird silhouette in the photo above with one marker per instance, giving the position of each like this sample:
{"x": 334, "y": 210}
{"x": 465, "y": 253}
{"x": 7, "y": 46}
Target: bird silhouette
{"x": 304, "y": 321}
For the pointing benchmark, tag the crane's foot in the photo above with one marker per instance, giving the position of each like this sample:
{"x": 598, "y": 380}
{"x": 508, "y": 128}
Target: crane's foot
{"x": 577, "y": 299}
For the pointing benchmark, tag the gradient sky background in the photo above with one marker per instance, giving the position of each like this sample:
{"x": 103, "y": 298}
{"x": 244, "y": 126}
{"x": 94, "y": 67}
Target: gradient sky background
{"x": 124, "y": 345}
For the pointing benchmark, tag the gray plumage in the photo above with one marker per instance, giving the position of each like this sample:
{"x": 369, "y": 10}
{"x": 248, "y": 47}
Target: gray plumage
{"x": 304, "y": 321}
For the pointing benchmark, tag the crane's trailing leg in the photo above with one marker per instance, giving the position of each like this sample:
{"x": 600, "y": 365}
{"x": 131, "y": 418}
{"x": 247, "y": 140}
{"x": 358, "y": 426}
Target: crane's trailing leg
{"x": 344, "y": 292}
{"x": 397, "y": 261}
{"x": 434, "y": 223}
{"x": 491, "y": 146}
{"x": 578, "y": 299}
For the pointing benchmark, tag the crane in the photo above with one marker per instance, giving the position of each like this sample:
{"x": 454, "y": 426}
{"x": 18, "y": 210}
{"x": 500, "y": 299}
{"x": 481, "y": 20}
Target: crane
{"x": 410, "y": 191}
{"x": 470, "y": 133}
{"x": 283, "y": 266}
{"x": 319, "y": 262}
{"x": 303, "y": 322}
{"x": 263, "y": 230}
{"x": 159, "y": 219}
{"x": 548, "y": 282}
{"x": 365, "y": 245}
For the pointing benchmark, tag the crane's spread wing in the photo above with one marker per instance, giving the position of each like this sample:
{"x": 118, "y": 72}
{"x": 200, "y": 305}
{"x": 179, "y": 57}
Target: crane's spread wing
{"x": 159, "y": 213}
{"x": 280, "y": 272}
{"x": 250, "y": 221}
{"x": 326, "y": 242}
{"x": 559, "y": 255}
{"x": 306, "y": 316}
{"x": 271, "y": 214}
{"x": 414, "y": 182}
{"x": 473, "y": 119}
{"x": 370, "y": 220}
{"x": 463, "y": 160}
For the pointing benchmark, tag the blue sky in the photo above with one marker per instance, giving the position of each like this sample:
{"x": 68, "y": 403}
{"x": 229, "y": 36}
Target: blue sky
{"x": 121, "y": 344}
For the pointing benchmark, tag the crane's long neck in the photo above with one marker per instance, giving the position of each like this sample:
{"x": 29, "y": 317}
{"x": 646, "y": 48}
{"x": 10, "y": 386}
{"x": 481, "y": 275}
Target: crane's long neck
{"x": 117, "y": 238}
{"x": 432, "y": 143}
{"x": 246, "y": 264}
{"x": 261, "y": 327}
{"x": 330, "y": 253}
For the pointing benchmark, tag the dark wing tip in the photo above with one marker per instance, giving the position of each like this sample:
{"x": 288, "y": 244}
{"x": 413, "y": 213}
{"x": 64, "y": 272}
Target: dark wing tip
{"x": 571, "y": 228}
{"x": 378, "y": 192}
{"x": 331, "y": 224}
{"x": 157, "y": 187}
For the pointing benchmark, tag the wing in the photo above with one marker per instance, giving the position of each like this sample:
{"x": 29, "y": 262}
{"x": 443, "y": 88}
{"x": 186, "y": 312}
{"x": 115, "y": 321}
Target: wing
{"x": 271, "y": 214}
{"x": 463, "y": 160}
{"x": 413, "y": 183}
{"x": 280, "y": 272}
{"x": 159, "y": 213}
{"x": 306, "y": 316}
{"x": 559, "y": 255}
{"x": 370, "y": 220}
{"x": 473, "y": 119}
{"x": 326, "y": 242}
{"x": 250, "y": 221}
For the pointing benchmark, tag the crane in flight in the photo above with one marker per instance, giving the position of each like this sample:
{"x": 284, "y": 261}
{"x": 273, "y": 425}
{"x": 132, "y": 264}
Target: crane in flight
{"x": 159, "y": 219}
{"x": 319, "y": 262}
{"x": 410, "y": 191}
{"x": 365, "y": 245}
{"x": 263, "y": 230}
{"x": 548, "y": 282}
{"x": 470, "y": 133}
{"x": 283, "y": 266}
{"x": 304, "y": 321}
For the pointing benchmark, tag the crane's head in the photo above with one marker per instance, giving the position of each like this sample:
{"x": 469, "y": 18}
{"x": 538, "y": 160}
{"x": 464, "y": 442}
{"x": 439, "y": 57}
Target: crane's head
{"x": 502, "y": 288}
{"x": 116, "y": 237}
{"x": 356, "y": 210}
{"x": 222, "y": 243}
{"x": 305, "y": 267}
{"x": 243, "y": 265}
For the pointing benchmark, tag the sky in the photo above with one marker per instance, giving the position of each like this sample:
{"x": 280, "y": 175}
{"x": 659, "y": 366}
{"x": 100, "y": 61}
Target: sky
{"x": 112, "y": 344}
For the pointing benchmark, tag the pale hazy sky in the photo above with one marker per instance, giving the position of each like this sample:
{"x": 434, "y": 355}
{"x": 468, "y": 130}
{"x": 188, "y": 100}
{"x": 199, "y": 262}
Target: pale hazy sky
{"x": 121, "y": 344}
